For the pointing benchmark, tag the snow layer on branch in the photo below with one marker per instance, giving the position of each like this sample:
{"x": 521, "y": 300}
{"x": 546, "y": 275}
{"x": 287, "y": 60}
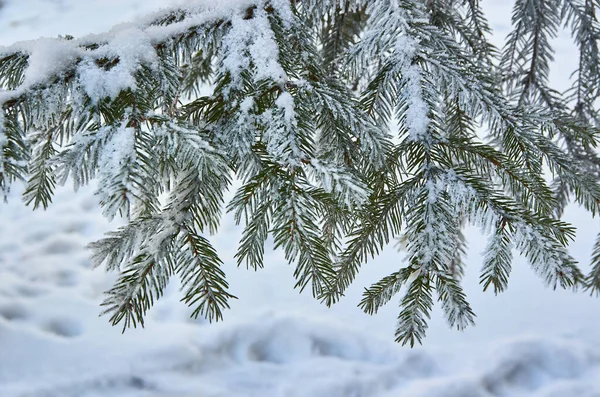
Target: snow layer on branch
{"x": 550, "y": 262}
{"x": 48, "y": 58}
{"x": 280, "y": 130}
{"x": 318, "y": 8}
{"x": 117, "y": 150}
{"x": 389, "y": 38}
{"x": 114, "y": 164}
{"x": 417, "y": 119}
{"x": 107, "y": 63}
{"x": 433, "y": 242}
{"x": 285, "y": 101}
{"x": 133, "y": 48}
{"x": 337, "y": 179}
{"x": 466, "y": 203}
{"x": 251, "y": 42}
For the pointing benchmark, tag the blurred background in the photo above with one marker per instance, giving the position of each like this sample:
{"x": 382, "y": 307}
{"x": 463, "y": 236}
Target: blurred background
{"x": 528, "y": 341}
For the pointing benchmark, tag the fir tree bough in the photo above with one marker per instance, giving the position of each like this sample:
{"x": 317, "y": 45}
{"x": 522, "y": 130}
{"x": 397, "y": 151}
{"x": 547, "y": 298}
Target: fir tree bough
{"x": 345, "y": 123}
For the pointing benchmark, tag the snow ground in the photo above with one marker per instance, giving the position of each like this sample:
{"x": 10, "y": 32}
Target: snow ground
{"x": 529, "y": 341}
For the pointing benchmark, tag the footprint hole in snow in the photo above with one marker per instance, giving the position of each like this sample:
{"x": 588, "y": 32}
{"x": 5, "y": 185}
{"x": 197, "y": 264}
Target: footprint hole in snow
{"x": 64, "y": 328}
{"x": 29, "y": 291}
{"x": 515, "y": 375}
{"x": 259, "y": 352}
{"x": 36, "y": 236}
{"x": 61, "y": 246}
{"x": 75, "y": 227}
{"x": 417, "y": 365}
{"x": 139, "y": 383}
{"x": 66, "y": 278}
{"x": 13, "y": 312}
{"x": 278, "y": 349}
{"x": 325, "y": 348}
{"x": 86, "y": 263}
{"x": 89, "y": 204}
{"x": 529, "y": 365}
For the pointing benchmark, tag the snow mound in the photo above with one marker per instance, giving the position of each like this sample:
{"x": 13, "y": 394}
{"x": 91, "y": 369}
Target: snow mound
{"x": 532, "y": 366}
{"x": 531, "y": 363}
{"x": 283, "y": 339}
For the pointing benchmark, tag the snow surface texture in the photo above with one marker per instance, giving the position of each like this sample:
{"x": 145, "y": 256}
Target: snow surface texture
{"x": 529, "y": 341}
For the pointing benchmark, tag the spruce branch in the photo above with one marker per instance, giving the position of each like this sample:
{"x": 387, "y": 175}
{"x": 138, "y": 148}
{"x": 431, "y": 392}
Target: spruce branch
{"x": 345, "y": 124}
{"x": 415, "y": 309}
{"x": 454, "y": 302}
{"x": 203, "y": 280}
{"x": 384, "y": 290}
{"x": 593, "y": 279}
{"x": 498, "y": 259}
